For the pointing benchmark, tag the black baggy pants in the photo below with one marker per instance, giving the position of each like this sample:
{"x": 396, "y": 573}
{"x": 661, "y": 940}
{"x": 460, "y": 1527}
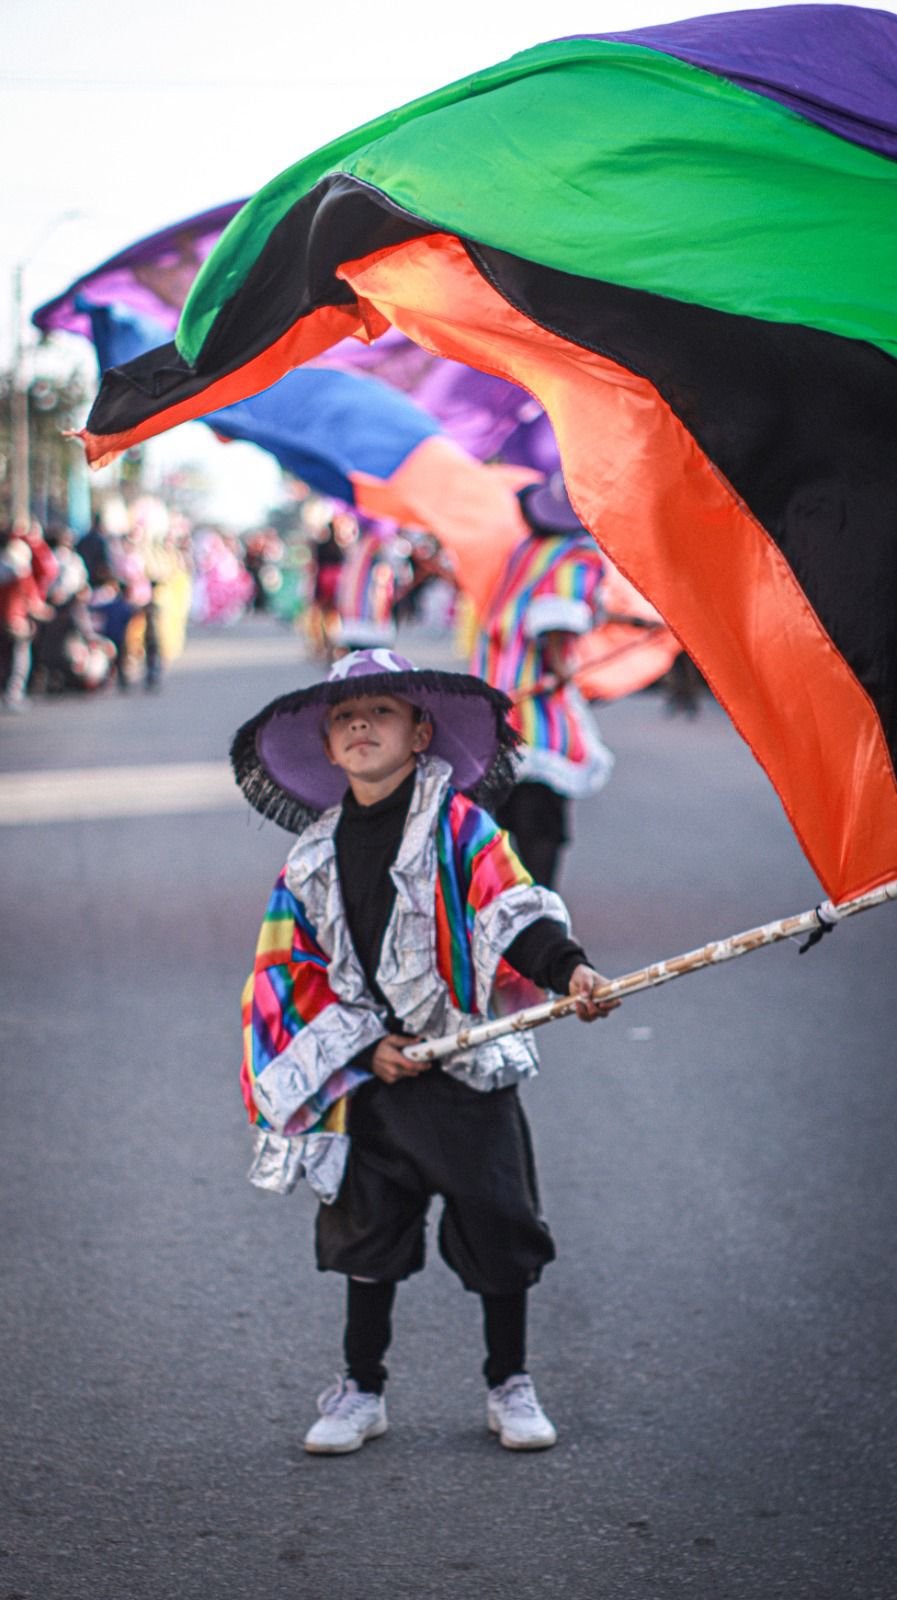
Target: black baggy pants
{"x": 426, "y": 1136}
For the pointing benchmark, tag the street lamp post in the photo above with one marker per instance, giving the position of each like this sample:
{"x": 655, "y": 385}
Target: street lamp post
{"x": 21, "y": 480}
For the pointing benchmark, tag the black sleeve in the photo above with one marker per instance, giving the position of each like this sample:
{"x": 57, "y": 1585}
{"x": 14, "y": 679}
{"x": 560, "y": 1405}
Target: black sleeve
{"x": 544, "y": 954}
{"x": 365, "y": 1058}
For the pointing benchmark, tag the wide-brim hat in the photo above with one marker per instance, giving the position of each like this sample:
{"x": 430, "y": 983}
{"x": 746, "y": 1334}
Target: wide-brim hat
{"x": 282, "y": 768}
{"x": 547, "y": 509}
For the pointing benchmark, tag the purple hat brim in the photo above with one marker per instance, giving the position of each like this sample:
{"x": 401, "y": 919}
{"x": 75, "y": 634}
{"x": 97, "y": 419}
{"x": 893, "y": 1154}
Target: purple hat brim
{"x": 281, "y": 766}
{"x": 546, "y": 514}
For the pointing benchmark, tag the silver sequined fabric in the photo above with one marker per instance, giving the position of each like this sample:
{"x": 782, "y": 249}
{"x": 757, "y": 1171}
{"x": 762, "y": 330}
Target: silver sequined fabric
{"x": 279, "y": 1162}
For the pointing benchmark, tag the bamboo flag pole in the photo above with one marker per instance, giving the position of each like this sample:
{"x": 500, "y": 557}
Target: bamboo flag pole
{"x": 812, "y": 923}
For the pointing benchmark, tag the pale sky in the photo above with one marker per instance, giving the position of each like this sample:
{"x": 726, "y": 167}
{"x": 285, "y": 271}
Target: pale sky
{"x": 134, "y": 115}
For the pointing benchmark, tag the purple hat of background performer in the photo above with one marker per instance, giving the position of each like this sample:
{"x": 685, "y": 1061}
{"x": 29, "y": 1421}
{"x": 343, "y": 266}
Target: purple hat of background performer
{"x": 279, "y": 759}
{"x": 547, "y": 508}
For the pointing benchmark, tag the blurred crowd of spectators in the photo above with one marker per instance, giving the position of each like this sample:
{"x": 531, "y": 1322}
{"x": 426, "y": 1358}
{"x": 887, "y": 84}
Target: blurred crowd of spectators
{"x": 109, "y": 610}
{"x": 82, "y": 614}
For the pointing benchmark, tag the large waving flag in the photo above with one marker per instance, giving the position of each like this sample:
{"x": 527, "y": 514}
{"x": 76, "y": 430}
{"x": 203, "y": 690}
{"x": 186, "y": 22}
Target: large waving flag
{"x": 146, "y": 284}
{"x": 682, "y": 243}
{"x": 348, "y": 435}
{"x": 362, "y": 442}
{"x": 357, "y": 442}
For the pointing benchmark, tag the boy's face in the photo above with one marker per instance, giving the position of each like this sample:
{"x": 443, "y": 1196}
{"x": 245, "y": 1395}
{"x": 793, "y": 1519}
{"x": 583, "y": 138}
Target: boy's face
{"x": 374, "y": 739}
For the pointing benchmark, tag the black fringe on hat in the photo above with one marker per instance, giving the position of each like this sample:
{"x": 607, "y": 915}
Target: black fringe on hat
{"x": 271, "y": 801}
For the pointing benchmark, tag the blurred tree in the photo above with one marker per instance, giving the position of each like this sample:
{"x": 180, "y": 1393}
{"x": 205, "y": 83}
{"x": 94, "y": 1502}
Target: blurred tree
{"x": 54, "y": 404}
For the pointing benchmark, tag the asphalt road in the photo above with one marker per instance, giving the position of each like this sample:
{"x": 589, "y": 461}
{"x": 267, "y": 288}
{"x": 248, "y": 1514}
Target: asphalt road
{"x": 716, "y": 1341}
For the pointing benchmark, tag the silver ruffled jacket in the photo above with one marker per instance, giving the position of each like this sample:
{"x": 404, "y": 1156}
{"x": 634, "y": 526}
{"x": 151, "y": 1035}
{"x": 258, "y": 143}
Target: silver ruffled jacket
{"x": 408, "y": 976}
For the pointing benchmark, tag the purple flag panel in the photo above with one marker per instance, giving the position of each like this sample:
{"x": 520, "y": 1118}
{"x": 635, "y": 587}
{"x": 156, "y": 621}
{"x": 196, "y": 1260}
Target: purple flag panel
{"x": 825, "y": 62}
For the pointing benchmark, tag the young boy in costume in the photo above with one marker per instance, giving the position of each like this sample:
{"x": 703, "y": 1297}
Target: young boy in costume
{"x": 401, "y": 913}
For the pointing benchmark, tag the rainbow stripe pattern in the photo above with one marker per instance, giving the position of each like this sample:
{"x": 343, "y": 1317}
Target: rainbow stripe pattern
{"x": 286, "y": 990}
{"x": 367, "y": 585}
{"x": 475, "y": 865}
{"x": 565, "y": 568}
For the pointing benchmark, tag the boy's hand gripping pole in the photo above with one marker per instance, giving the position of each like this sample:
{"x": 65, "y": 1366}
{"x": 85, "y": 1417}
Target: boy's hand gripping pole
{"x": 812, "y": 924}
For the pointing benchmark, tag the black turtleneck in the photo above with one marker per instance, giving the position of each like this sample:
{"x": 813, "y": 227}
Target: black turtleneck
{"x": 367, "y": 843}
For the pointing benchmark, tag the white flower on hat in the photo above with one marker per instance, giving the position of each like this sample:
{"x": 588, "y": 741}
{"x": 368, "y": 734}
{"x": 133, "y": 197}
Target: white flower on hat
{"x": 379, "y": 656}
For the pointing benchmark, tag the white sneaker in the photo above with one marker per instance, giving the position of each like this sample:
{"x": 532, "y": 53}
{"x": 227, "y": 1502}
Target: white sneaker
{"x": 514, "y": 1413}
{"x": 349, "y": 1417}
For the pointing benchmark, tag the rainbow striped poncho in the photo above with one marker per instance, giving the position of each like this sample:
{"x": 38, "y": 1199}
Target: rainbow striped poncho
{"x": 366, "y": 591}
{"x": 549, "y": 584}
{"x": 462, "y": 896}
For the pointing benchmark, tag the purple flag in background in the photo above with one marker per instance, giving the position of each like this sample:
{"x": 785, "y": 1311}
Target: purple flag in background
{"x": 483, "y": 414}
{"x": 151, "y": 278}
